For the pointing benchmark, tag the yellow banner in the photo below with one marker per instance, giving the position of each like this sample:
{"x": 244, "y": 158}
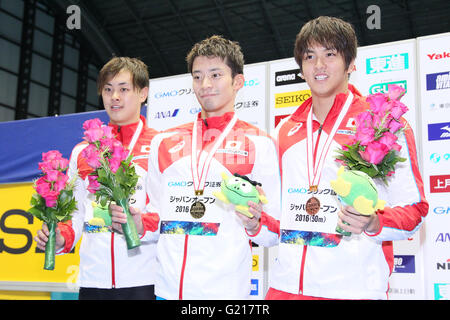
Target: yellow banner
{"x": 255, "y": 264}
{"x": 20, "y": 260}
{"x": 291, "y": 99}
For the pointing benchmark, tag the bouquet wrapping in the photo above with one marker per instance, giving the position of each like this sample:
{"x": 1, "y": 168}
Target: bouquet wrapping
{"x": 114, "y": 177}
{"x": 372, "y": 153}
{"x": 53, "y": 201}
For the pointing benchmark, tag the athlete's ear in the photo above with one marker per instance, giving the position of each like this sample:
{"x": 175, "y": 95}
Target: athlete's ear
{"x": 238, "y": 81}
{"x": 351, "y": 67}
{"x": 143, "y": 93}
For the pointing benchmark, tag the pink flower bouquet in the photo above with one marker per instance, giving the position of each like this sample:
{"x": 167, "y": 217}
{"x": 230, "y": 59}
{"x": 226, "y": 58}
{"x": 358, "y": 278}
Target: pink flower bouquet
{"x": 53, "y": 201}
{"x": 114, "y": 177}
{"x": 373, "y": 151}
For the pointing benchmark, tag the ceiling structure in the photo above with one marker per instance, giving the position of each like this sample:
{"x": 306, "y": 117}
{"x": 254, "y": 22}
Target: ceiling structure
{"x": 161, "y": 32}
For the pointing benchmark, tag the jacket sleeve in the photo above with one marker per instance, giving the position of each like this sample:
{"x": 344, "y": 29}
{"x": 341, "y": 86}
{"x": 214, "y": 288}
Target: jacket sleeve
{"x": 266, "y": 171}
{"x": 73, "y": 229}
{"x": 151, "y": 219}
{"x": 406, "y": 205}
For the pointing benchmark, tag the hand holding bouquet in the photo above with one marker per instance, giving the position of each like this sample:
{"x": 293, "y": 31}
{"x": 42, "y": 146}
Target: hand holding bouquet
{"x": 53, "y": 201}
{"x": 114, "y": 177}
{"x": 373, "y": 152}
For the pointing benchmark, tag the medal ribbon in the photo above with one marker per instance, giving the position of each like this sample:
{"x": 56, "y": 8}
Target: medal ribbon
{"x": 315, "y": 167}
{"x": 135, "y": 137}
{"x": 196, "y": 162}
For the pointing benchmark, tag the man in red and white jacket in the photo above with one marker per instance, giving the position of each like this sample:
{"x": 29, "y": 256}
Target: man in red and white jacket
{"x": 204, "y": 245}
{"x": 312, "y": 262}
{"x": 108, "y": 270}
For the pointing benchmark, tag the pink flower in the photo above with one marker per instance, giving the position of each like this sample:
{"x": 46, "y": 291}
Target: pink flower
{"x": 394, "y": 126}
{"x": 53, "y": 160}
{"x": 118, "y": 154}
{"x": 375, "y": 152}
{"x": 93, "y": 134}
{"x": 92, "y": 124}
{"x": 92, "y": 155}
{"x": 389, "y": 140}
{"x": 365, "y": 136}
{"x": 398, "y": 109}
{"x": 44, "y": 188}
{"x": 107, "y": 143}
{"x": 50, "y": 200}
{"x": 376, "y": 101}
{"x": 51, "y": 155}
{"x": 364, "y": 119}
{"x": 395, "y": 92}
{"x": 364, "y": 130}
{"x": 94, "y": 185}
{"x": 60, "y": 182}
{"x": 95, "y": 130}
{"x": 107, "y": 132}
{"x": 114, "y": 164}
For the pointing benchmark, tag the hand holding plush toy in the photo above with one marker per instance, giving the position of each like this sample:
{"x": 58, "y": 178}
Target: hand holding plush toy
{"x": 239, "y": 190}
{"x": 357, "y": 189}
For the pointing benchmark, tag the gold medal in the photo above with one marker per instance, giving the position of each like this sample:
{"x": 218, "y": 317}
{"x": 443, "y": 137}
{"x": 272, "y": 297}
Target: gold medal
{"x": 313, "y": 188}
{"x": 312, "y": 206}
{"x": 197, "y": 210}
{"x": 198, "y": 192}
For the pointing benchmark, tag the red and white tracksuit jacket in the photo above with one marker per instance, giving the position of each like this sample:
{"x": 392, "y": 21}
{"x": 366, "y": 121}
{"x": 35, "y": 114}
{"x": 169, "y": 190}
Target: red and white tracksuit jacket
{"x": 355, "y": 267}
{"x": 208, "y": 257}
{"x": 105, "y": 261}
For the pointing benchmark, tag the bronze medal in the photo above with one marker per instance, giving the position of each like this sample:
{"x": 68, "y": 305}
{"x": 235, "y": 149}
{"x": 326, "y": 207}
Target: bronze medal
{"x": 312, "y": 206}
{"x": 197, "y": 210}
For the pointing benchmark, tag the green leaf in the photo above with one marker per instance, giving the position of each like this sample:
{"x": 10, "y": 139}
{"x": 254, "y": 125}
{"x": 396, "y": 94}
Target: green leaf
{"x": 37, "y": 213}
{"x": 103, "y": 201}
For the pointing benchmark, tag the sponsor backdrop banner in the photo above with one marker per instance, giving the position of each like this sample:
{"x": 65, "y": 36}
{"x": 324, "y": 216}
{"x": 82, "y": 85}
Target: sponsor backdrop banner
{"x": 434, "y": 78}
{"x": 287, "y": 90}
{"x": 378, "y": 66}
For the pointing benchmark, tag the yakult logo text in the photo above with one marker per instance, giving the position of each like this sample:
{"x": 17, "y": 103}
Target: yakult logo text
{"x": 438, "y": 56}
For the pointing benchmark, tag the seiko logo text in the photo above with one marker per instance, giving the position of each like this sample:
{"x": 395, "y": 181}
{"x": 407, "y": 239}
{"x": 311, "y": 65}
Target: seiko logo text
{"x": 291, "y": 99}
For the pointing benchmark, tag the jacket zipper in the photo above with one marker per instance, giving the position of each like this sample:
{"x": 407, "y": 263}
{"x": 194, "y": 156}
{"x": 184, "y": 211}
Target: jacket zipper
{"x": 113, "y": 271}
{"x": 183, "y": 266}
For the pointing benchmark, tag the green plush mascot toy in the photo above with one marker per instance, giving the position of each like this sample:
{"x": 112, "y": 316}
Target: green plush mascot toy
{"x": 357, "y": 189}
{"x": 238, "y": 190}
